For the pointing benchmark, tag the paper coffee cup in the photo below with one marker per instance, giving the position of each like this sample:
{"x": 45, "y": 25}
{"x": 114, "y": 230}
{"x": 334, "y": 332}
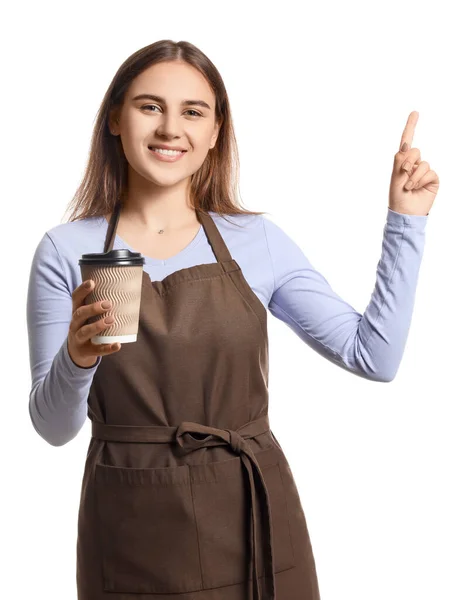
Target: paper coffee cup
{"x": 117, "y": 276}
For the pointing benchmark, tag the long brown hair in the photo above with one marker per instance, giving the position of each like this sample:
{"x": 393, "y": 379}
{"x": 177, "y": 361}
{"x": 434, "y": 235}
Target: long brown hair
{"x": 213, "y": 187}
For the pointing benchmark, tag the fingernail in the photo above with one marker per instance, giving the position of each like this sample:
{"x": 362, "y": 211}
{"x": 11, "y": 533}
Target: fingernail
{"x": 406, "y": 166}
{"x": 404, "y": 147}
{"x": 409, "y": 185}
{"x": 88, "y": 284}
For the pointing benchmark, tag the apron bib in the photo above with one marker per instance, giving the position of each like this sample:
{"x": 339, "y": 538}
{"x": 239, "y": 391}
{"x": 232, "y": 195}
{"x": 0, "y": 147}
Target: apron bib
{"x": 186, "y": 491}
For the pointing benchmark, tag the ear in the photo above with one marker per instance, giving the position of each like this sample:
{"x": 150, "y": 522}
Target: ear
{"x": 214, "y": 138}
{"x": 114, "y": 120}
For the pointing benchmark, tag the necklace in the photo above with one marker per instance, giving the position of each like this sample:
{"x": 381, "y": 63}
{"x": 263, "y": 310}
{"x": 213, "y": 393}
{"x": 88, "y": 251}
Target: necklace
{"x": 159, "y": 231}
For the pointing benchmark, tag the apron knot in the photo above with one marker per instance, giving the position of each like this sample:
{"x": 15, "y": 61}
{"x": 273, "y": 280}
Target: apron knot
{"x": 191, "y": 436}
{"x": 237, "y": 441}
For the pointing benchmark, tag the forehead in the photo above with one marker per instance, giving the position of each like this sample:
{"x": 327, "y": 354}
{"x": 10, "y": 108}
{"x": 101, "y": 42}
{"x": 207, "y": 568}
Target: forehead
{"x": 175, "y": 81}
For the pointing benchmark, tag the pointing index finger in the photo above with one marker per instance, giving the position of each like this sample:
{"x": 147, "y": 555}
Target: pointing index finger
{"x": 409, "y": 129}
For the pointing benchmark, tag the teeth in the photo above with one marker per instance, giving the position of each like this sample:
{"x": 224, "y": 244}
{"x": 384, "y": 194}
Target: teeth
{"x": 168, "y": 152}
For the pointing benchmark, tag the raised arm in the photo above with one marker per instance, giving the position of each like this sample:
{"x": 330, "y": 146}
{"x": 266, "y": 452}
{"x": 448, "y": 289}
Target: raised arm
{"x": 370, "y": 345}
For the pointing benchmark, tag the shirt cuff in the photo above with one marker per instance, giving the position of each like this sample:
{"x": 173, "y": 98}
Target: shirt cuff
{"x": 415, "y": 221}
{"x": 75, "y": 370}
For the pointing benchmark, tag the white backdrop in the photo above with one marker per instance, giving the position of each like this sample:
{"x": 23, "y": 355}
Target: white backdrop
{"x": 320, "y": 95}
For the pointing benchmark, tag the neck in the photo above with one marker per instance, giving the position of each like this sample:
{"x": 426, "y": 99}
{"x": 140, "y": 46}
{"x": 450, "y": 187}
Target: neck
{"x": 156, "y": 216}
{"x": 151, "y": 208}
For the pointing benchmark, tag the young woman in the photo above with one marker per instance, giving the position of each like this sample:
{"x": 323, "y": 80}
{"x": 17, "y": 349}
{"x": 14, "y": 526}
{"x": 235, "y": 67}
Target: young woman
{"x": 186, "y": 491}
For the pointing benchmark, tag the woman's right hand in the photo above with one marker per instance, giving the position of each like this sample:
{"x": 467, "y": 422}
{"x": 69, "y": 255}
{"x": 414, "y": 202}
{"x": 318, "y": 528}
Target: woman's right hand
{"x": 81, "y": 349}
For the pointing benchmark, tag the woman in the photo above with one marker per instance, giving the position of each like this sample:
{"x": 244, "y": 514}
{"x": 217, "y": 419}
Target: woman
{"x": 186, "y": 491}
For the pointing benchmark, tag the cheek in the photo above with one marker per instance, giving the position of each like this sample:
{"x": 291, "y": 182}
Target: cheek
{"x": 131, "y": 144}
{"x": 196, "y": 157}
{"x": 134, "y": 155}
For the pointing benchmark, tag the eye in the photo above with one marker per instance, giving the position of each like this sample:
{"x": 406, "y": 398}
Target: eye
{"x": 147, "y": 106}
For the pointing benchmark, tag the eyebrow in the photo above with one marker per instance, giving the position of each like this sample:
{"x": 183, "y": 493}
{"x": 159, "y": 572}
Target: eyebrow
{"x": 162, "y": 100}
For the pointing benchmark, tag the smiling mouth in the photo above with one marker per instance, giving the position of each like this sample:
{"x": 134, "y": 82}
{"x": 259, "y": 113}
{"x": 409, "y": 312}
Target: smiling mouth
{"x": 164, "y": 150}
{"x": 167, "y": 157}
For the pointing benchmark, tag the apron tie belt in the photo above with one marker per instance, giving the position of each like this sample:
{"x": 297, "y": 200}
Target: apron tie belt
{"x": 213, "y": 436}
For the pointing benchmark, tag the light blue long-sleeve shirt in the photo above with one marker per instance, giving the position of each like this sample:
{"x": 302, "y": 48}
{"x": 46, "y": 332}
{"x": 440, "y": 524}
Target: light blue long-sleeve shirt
{"x": 369, "y": 345}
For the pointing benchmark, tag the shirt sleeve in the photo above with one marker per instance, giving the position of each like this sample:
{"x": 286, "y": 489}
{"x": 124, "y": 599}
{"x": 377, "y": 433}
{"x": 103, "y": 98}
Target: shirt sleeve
{"x": 369, "y": 345}
{"x": 59, "y": 387}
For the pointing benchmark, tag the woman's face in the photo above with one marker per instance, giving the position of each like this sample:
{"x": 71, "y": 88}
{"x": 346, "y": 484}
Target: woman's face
{"x": 146, "y": 121}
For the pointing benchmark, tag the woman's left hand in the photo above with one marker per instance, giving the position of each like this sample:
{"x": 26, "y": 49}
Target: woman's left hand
{"x": 414, "y": 185}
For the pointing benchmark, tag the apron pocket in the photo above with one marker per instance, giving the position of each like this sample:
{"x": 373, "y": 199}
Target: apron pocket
{"x": 147, "y": 530}
{"x": 222, "y": 510}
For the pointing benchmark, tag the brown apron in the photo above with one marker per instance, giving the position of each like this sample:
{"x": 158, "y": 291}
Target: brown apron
{"x": 186, "y": 491}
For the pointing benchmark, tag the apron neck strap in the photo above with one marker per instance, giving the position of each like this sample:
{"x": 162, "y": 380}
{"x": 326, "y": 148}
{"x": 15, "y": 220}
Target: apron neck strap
{"x": 214, "y": 236}
{"x": 220, "y": 249}
{"x": 112, "y": 228}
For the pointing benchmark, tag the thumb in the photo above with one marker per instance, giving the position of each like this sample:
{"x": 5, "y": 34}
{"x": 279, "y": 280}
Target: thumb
{"x": 399, "y": 159}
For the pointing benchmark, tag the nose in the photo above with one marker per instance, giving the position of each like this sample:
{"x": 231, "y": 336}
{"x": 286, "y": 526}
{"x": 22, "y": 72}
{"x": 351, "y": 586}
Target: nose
{"x": 169, "y": 126}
